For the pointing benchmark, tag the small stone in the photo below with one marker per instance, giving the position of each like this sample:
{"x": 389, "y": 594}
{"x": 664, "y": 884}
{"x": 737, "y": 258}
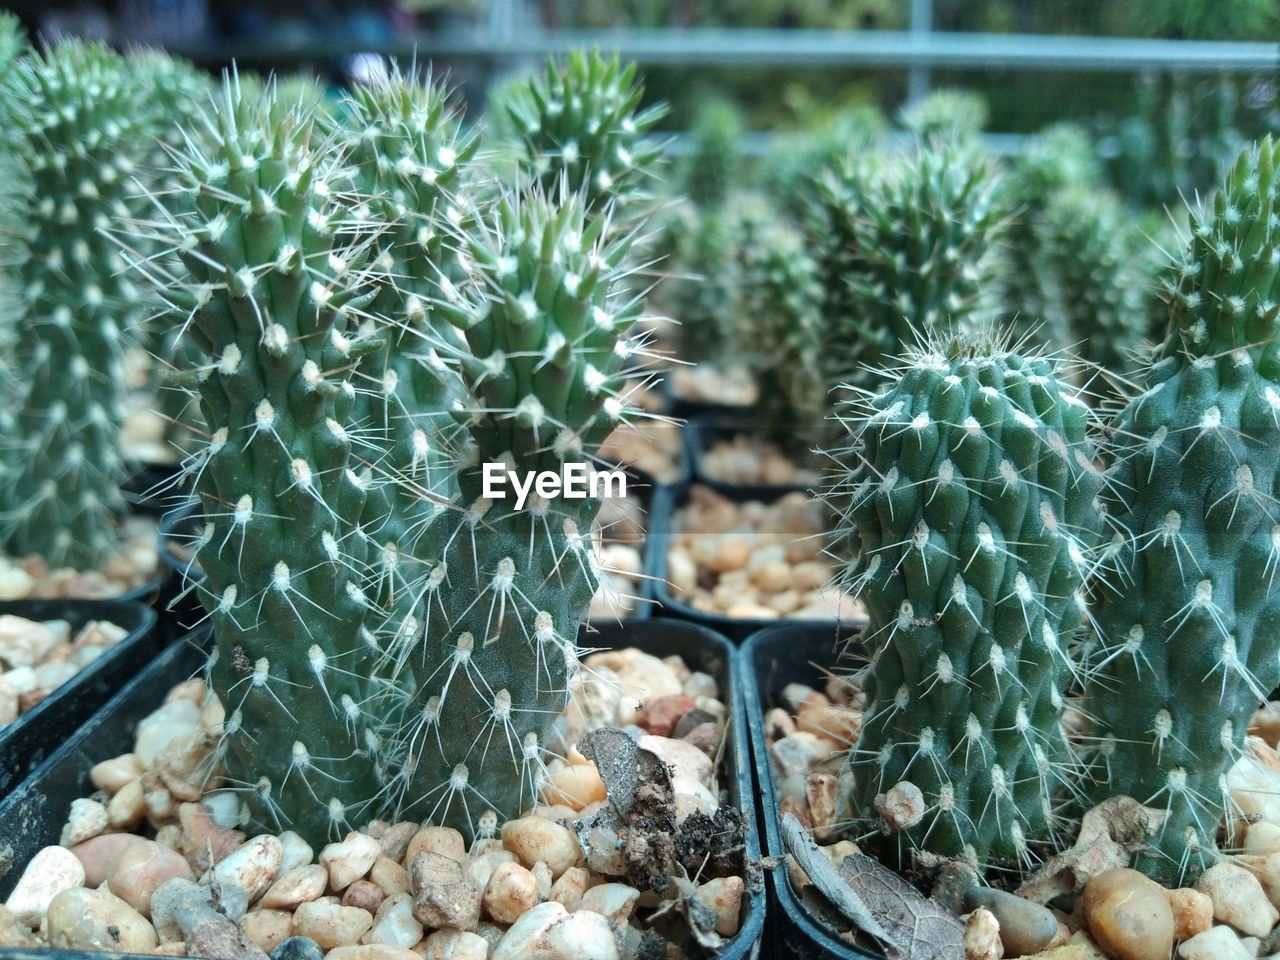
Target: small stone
{"x": 798, "y": 753}
{"x": 1238, "y": 899}
{"x": 298, "y": 948}
{"x": 542, "y": 877}
{"x": 902, "y": 806}
{"x": 575, "y": 786}
{"x": 1192, "y": 912}
{"x": 534, "y": 838}
{"x": 1025, "y": 927}
{"x": 364, "y": 894}
{"x": 297, "y": 852}
{"x": 456, "y": 945}
{"x": 142, "y": 869}
{"x": 442, "y": 896}
{"x": 127, "y": 808}
{"x": 690, "y": 796}
{"x": 1216, "y": 943}
{"x": 568, "y": 890}
{"x": 1128, "y": 915}
{"x": 204, "y": 843}
{"x": 349, "y": 860}
{"x": 372, "y": 951}
{"x": 982, "y": 936}
{"x": 390, "y": 876}
{"x": 331, "y": 924}
{"x": 83, "y": 919}
{"x": 511, "y": 891}
{"x": 395, "y": 840}
{"x": 661, "y": 716}
{"x": 178, "y": 904}
{"x": 112, "y": 775}
{"x": 443, "y": 840}
{"x": 548, "y": 932}
{"x": 300, "y": 885}
{"x": 253, "y": 866}
{"x": 395, "y": 923}
{"x": 51, "y": 871}
{"x": 1262, "y": 839}
{"x": 87, "y": 819}
{"x": 684, "y": 759}
{"x": 213, "y": 935}
{"x": 723, "y": 896}
{"x": 159, "y": 728}
{"x": 267, "y": 928}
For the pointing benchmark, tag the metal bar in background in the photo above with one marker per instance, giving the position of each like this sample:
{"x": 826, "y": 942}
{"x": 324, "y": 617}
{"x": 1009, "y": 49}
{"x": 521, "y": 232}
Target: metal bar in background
{"x": 764, "y": 144}
{"x": 918, "y": 77}
{"x": 752, "y": 47}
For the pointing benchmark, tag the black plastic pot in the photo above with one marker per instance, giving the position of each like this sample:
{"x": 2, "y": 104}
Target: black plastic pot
{"x": 26, "y": 742}
{"x": 769, "y": 660}
{"x": 704, "y": 432}
{"x": 670, "y": 501}
{"x": 31, "y": 817}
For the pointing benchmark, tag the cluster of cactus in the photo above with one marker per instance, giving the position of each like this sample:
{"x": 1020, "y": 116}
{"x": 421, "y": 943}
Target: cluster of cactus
{"x": 81, "y": 129}
{"x": 368, "y": 335}
{"x": 971, "y": 490}
{"x": 1186, "y": 646}
{"x": 954, "y": 114}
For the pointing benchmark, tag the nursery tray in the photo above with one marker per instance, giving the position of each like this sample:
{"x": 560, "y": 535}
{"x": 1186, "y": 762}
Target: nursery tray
{"x": 31, "y": 817}
{"x": 669, "y": 501}
{"x": 185, "y": 610}
{"x": 703, "y": 432}
{"x": 772, "y": 658}
{"x": 26, "y": 742}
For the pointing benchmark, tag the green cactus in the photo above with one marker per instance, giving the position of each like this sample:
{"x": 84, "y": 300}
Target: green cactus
{"x": 1057, "y": 158}
{"x": 714, "y": 164}
{"x": 13, "y": 40}
{"x": 704, "y": 293}
{"x": 972, "y": 487}
{"x": 789, "y": 174}
{"x": 1102, "y": 277}
{"x": 924, "y": 252}
{"x": 782, "y": 302}
{"x": 272, "y": 286}
{"x": 948, "y": 113}
{"x": 582, "y": 121}
{"x": 546, "y": 364}
{"x": 1186, "y": 618}
{"x": 409, "y": 154}
{"x": 82, "y": 128}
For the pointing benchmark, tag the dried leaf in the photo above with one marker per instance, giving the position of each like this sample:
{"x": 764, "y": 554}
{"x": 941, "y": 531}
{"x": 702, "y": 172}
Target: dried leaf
{"x": 919, "y": 927}
{"x": 879, "y": 902}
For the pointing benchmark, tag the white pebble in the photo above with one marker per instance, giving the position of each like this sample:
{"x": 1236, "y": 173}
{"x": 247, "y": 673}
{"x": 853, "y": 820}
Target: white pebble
{"x": 87, "y": 819}
{"x": 349, "y": 860}
{"x": 47, "y": 874}
{"x": 1238, "y": 899}
{"x": 548, "y": 932}
{"x": 535, "y": 838}
{"x": 1216, "y": 943}
{"x": 253, "y": 867}
{"x": 456, "y": 945}
{"x": 395, "y": 923}
{"x": 158, "y": 729}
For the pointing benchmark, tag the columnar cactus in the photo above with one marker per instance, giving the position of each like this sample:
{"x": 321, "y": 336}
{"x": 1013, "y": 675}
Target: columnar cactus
{"x": 924, "y": 253}
{"x": 271, "y": 293}
{"x": 1187, "y": 640}
{"x": 546, "y": 364}
{"x": 81, "y": 126}
{"x": 782, "y": 299}
{"x": 409, "y": 155}
{"x": 711, "y": 171}
{"x": 1101, "y": 277}
{"x": 582, "y": 121}
{"x": 973, "y": 487}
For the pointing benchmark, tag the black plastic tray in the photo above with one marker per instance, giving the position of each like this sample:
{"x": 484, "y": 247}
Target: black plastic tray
{"x": 772, "y": 658}
{"x": 26, "y": 742}
{"x": 670, "y": 501}
{"x": 703, "y": 432}
{"x": 32, "y": 816}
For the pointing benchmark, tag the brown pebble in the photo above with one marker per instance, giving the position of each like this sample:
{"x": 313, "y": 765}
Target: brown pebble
{"x": 363, "y": 894}
{"x": 1192, "y": 912}
{"x": 1129, "y": 915}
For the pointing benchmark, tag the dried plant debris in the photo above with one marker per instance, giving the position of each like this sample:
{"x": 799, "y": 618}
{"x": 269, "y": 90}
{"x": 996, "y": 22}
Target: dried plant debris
{"x": 879, "y": 902}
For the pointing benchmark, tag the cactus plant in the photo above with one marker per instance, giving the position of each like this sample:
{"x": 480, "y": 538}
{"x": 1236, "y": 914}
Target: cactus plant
{"x": 582, "y": 121}
{"x": 923, "y": 250}
{"x": 82, "y": 127}
{"x": 1187, "y": 645}
{"x": 271, "y": 288}
{"x": 409, "y": 155}
{"x": 712, "y": 168}
{"x": 1101, "y": 274}
{"x": 972, "y": 485}
{"x": 546, "y": 364}
{"x": 948, "y": 113}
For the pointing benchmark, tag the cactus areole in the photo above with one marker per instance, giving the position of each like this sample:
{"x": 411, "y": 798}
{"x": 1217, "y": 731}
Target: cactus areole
{"x": 1188, "y": 614}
